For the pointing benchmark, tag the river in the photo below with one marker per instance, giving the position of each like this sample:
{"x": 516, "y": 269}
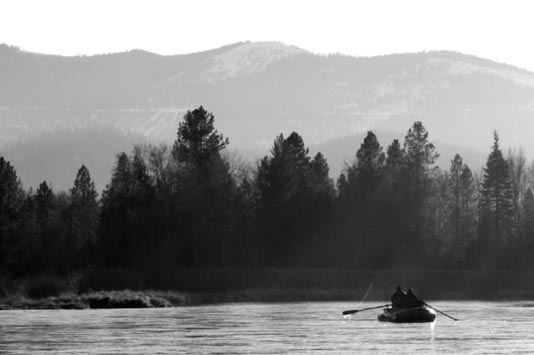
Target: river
{"x": 268, "y": 328}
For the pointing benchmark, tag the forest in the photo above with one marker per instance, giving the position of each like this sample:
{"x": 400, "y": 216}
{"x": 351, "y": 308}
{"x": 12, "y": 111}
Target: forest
{"x": 194, "y": 205}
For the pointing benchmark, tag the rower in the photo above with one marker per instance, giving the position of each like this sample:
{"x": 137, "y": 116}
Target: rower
{"x": 412, "y": 300}
{"x": 398, "y": 299}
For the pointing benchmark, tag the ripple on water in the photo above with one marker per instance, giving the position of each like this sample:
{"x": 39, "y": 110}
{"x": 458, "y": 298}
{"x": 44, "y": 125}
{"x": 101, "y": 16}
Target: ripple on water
{"x": 295, "y": 328}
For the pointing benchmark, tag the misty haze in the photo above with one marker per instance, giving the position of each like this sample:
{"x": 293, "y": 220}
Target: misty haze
{"x": 301, "y": 202}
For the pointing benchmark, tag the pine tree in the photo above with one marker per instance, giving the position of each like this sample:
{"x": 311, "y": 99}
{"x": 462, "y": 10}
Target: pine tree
{"x": 117, "y": 217}
{"x": 456, "y": 170}
{"x": 295, "y": 196}
{"x": 496, "y": 198}
{"x": 468, "y": 200}
{"x": 370, "y": 165}
{"x": 85, "y": 213}
{"x": 528, "y": 210}
{"x": 463, "y": 209}
{"x": 44, "y": 199}
{"x": 205, "y": 184}
{"x": 44, "y": 209}
{"x": 415, "y": 176}
{"x": 394, "y": 162}
{"x": 10, "y": 204}
{"x": 281, "y": 183}
{"x": 49, "y": 251}
{"x": 342, "y": 185}
{"x": 516, "y": 163}
{"x": 321, "y": 182}
{"x": 367, "y": 177}
{"x": 420, "y": 155}
{"x": 198, "y": 142}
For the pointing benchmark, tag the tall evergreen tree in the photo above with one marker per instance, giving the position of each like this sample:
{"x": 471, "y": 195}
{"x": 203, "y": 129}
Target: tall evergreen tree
{"x": 496, "y": 198}
{"x": 141, "y": 199}
{"x": 321, "y": 183}
{"x": 50, "y": 250}
{"x": 517, "y": 165}
{"x": 419, "y": 157}
{"x": 295, "y": 194}
{"x": 527, "y": 229}
{"x": 85, "y": 213}
{"x": 117, "y": 217}
{"x": 364, "y": 205}
{"x": 281, "y": 186}
{"x": 206, "y": 184}
{"x": 370, "y": 165}
{"x": 463, "y": 210}
{"x": 10, "y": 203}
{"x": 44, "y": 197}
{"x": 198, "y": 142}
{"x": 44, "y": 210}
{"x": 394, "y": 162}
{"x": 456, "y": 171}
{"x": 468, "y": 201}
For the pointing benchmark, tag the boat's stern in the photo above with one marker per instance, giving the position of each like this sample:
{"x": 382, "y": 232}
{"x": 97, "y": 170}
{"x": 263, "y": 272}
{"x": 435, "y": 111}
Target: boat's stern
{"x": 411, "y": 315}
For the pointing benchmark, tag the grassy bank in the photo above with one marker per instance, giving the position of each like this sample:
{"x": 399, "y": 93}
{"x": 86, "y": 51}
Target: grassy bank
{"x": 139, "y": 288}
{"x": 435, "y": 284}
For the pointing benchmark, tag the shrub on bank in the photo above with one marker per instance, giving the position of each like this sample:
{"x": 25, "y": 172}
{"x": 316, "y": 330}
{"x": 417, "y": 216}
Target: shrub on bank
{"x": 3, "y": 285}
{"x": 45, "y": 286}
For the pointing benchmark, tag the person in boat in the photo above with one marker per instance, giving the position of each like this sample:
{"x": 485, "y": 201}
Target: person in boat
{"x": 399, "y": 298}
{"x": 412, "y": 300}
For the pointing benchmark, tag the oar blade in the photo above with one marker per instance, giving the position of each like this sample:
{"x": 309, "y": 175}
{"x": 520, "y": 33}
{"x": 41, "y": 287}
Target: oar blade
{"x": 443, "y": 313}
{"x": 352, "y": 311}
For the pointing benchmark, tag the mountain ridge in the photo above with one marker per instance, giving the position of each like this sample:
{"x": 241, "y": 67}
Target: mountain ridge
{"x": 257, "y": 90}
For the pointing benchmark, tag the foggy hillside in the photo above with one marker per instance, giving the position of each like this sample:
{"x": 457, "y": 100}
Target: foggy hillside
{"x": 257, "y": 90}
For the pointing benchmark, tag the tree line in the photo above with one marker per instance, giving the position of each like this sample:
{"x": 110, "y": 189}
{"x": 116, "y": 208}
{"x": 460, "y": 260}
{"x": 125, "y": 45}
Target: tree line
{"x": 194, "y": 205}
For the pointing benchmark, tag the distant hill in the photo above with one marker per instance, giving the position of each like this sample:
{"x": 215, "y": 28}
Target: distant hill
{"x": 258, "y": 89}
{"x": 57, "y": 156}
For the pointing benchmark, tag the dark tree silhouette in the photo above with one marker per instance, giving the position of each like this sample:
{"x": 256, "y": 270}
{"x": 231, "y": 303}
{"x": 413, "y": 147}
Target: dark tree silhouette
{"x": 496, "y": 199}
{"x": 420, "y": 155}
{"x": 295, "y": 193}
{"x": 10, "y": 203}
{"x": 205, "y": 184}
{"x": 456, "y": 171}
{"x": 526, "y": 242}
{"x": 463, "y": 211}
{"x": 394, "y": 162}
{"x": 198, "y": 142}
{"x": 197, "y": 206}
{"x": 361, "y": 199}
{"x": 117, "y": 217}
{"x": 85, "y": 214}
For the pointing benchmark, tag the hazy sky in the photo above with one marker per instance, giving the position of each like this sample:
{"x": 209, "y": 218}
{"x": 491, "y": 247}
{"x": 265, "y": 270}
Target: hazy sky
{"x": 498, "y": 30}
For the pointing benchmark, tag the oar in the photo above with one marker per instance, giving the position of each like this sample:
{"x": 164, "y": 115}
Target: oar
{"x": 352, "y": 311}
{"x": 437, "y": 310}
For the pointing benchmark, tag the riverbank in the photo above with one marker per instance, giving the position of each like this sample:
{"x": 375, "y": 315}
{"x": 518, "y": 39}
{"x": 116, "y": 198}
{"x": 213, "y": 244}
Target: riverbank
{"x": 135, "y": 288}
{"x": 96, "y": 300}
{"x": 157, "y": 299}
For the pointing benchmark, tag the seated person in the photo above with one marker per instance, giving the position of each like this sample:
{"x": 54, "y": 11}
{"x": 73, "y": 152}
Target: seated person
{"x": 398, "y": 299}
{"x": 412, "y": 300}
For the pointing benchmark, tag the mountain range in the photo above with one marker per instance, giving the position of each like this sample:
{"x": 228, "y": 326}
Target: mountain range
{"x": 53, "y": 106}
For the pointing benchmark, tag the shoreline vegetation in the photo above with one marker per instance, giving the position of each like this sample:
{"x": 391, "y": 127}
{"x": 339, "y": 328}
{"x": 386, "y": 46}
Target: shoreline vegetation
{"x": 188, "y": 224}
{"x": 141, "y": 289}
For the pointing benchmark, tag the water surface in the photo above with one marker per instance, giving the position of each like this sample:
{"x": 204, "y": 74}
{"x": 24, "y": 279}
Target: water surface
{"x": 292, "y": 328}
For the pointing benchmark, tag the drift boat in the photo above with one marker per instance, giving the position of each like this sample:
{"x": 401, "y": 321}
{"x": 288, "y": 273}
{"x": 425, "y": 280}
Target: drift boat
{"x": 408, "y": 315}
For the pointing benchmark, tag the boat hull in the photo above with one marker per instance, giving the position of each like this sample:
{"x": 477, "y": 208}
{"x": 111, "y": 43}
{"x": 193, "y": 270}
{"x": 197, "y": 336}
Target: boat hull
{"x": 410, "y": 315}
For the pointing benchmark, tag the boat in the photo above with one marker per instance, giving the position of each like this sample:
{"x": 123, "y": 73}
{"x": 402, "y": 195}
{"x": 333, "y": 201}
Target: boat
{"x": 420, "y": 314}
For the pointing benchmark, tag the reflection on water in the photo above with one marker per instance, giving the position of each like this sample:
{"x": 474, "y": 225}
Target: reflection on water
{"x": 294, "y": 328}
